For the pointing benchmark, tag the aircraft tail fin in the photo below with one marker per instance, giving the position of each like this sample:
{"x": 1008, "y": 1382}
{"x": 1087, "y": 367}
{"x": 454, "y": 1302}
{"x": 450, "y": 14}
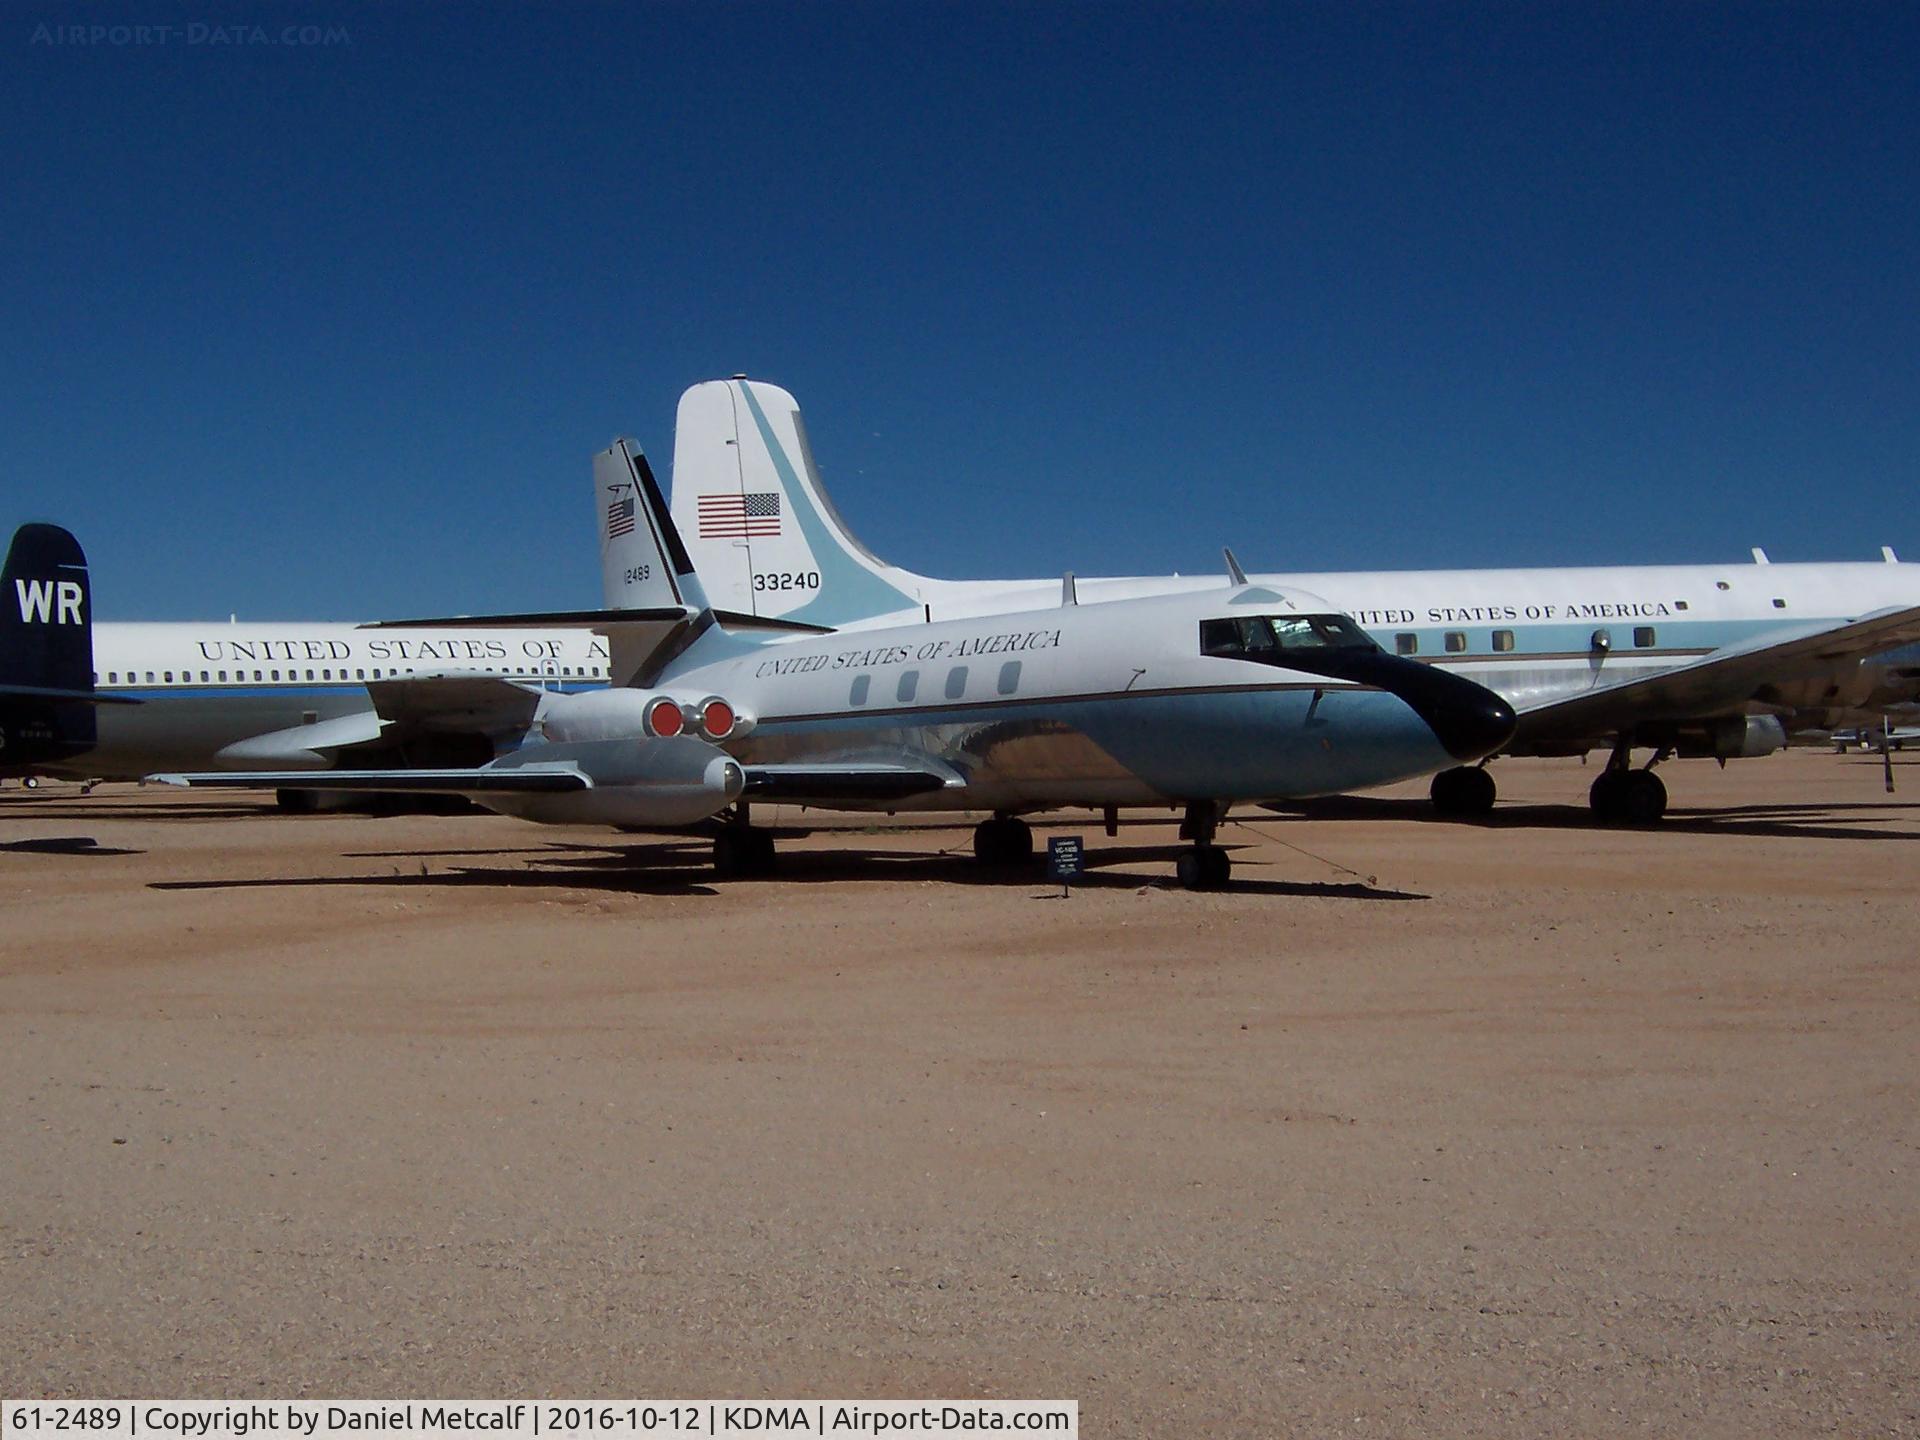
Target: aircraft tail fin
{"x": 757, "y": 519}
{"x": 46, "y": 648}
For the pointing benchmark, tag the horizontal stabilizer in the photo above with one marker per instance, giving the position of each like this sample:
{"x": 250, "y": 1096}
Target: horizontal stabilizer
{"x": 526, "y": 780}
{"x": 78, "y": 697}
{"x": 301, "y": 745}
{"x": 541, "y": 620}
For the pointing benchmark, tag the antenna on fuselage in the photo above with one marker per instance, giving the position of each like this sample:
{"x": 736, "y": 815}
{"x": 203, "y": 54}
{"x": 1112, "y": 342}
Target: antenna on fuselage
{"x": 1886, "y": 554}
{"x": 1069, "y": 591}
{"x": 1234, "y": 572}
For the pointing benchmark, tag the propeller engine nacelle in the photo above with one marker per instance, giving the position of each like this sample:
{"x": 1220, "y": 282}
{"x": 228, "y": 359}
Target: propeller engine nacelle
{"x": 622, "y": 714}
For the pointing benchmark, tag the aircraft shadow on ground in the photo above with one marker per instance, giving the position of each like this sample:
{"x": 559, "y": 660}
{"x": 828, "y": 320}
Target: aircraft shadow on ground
{"x": 64, "y": 845}
{"x": 682, "y": 868}
{"x": 1782, "y": 821}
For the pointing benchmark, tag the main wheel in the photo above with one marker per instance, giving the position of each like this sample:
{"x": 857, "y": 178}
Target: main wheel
{"x": 739, "y": 853}
{"x": 1643, "y": 798}
{"x": 1463, "y": 790}
{"x": 1004, "y": 842}
{"x": 1204, "y": 867}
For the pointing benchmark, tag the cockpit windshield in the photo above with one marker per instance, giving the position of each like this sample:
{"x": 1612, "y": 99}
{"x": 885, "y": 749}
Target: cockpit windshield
{"x": 1268, "y": 637}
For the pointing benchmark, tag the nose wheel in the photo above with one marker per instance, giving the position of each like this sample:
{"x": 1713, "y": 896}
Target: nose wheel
{"x": 1003, "y": 843}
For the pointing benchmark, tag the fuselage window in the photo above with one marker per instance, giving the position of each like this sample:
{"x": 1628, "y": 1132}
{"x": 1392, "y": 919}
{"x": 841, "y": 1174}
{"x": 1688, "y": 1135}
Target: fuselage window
{"x": 168, "y": 677}
{"x": 1456, "y": 642}
{"x": 113, "y": 677}
{"x": 223, "y": 676}
{"x": 858, "y": 694}
{"x": 1406, "y": 643}
{"x": 203, "y": 677}
{"x": 149, "y": 677}
{"x": 1779, "y": 604}
{"x": 956, "y": 682}
{"x": 256, "y": 675}
{"x": 1503, "y": 640}
{"x": 1643, "y": 636}
{"x": 1009, "y": 677}
{"x": 309, "y": 674}
{"x": 1679, "y": 604}
{"x": 908, "y": 687}
{"x": 360, "y": 674}
{"x": 276, "y": 674}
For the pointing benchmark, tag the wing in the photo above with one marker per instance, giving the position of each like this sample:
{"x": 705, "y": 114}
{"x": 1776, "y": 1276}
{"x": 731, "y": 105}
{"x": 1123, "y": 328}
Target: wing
{"x": 1719, "y": 683}
{"x": 828, "y": 783}
{"x": 525, "y": 780}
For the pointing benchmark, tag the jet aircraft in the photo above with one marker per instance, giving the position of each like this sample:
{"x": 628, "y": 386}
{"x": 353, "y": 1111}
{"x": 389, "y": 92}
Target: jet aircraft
{"x": 1711, "y": 661}
{"x": 1240, "y": 692}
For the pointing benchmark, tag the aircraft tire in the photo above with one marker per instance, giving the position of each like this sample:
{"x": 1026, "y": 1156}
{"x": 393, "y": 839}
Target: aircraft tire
{"x": 1643, "y": 798}
{"x": 1204, "y": 867}
{"x": 740, "y": 853}
{"x": 1465, "y": 790}
{"x": 1004, "y": 842}
{"x": 295, "y": 802}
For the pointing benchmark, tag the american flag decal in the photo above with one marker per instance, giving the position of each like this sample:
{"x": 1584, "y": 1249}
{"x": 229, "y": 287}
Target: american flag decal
{"x": 620, "y": 518}
{"x": 739, "y": 517}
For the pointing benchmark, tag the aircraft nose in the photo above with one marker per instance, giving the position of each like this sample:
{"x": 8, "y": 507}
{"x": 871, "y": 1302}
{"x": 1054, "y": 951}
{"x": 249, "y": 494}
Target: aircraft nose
{"x": 1469, "y": 720}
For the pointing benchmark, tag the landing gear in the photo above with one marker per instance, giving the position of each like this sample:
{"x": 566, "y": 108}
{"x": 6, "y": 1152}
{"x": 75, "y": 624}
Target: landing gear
{"x": 1003, "y": 843}
{"x": 740, "y": 852}
{"x": 1206, "y": 866}
{"x": 1463, "y": 790}
{"x": 1625, "y": 796}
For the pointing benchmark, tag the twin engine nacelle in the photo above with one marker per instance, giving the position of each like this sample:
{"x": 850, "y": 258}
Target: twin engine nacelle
{"x": 637, "y": 715}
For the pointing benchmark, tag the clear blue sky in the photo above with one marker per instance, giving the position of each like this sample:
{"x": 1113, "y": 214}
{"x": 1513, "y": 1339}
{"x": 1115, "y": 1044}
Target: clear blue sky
{"x": 319, "y": 330}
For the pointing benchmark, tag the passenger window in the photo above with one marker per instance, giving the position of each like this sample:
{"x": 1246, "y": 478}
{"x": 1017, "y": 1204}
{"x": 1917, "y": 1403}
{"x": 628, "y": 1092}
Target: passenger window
{"x": 956, "y": 682}
{"x": 1679, "y": 604}
{"x": 1456, "y": 642}
{"x": 149, "y": 677}
{"x": 1643, "y": 636}
{"x": 113, "y": 677}
{"x": 309, "y": 674}
{"x": 203, "y": 677}
{"x": 1406, "y": 643}
{"x": 223, "y": 676}
{"x": 858, "y": 694}
{"x": 360, "y": 674}
{"x": 909, "y": 686}
{"x": 276, "y": 674}
{"x": 1779, "y": 604}
{"x": 1503, "y": 640}
{"x": 168, "y": 677}
{"x": 1009, "y": 677}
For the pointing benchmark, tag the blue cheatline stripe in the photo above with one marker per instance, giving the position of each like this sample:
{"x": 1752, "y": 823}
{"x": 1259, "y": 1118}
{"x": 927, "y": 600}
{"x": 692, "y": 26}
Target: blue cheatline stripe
{"x": 848, "y": 590}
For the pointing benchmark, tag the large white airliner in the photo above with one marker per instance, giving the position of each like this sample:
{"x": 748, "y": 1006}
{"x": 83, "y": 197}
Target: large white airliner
{"x": 1688, "y": 660}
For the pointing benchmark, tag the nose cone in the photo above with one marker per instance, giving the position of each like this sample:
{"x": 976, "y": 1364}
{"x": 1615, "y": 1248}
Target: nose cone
{"x": 1469, "y": 720}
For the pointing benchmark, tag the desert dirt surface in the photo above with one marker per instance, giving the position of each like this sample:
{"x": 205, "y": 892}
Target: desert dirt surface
{"x": 1422, "y": 1128}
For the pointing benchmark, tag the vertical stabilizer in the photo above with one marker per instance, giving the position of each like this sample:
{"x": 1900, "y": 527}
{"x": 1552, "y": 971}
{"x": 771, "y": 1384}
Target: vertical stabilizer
{"x": 643, "y": 563}
{"x": 757, "y": 520}
{"x": 46, "y": 650}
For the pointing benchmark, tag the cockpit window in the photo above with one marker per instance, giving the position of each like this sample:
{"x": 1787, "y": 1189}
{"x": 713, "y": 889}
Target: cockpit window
{"x": 1265, "y": 637}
